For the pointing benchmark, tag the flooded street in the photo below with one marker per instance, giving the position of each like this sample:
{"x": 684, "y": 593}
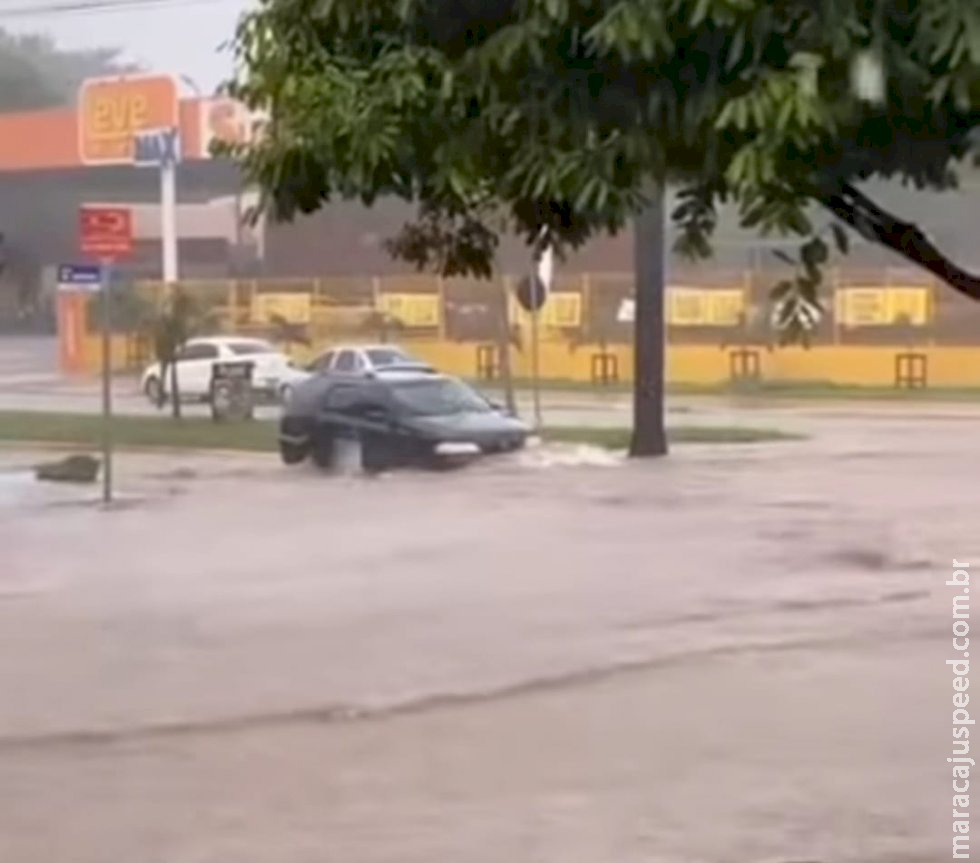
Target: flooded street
{"x": 731, "y": 656}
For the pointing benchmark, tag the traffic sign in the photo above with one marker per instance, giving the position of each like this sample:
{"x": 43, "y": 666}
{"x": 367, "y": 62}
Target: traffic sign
{"x": 79, "y": 277}
{"x": 626, "y": 313}
{"x": 111, "y": 111}
{"x": 105, "y": 232}
{"x": 531, "y": 293}
{"x": 157, "y": 148}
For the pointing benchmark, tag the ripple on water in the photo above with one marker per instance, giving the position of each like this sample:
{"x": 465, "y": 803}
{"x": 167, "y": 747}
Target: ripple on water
{"x": 20, "y": 489}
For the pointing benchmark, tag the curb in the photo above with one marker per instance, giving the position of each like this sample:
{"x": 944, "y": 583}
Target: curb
{"x": 56, "y": 446}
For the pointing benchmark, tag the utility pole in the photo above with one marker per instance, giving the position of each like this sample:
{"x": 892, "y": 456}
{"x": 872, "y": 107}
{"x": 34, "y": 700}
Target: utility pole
{"x": 541, "y": 287}
{"x": 105, "y": 289}
{"x": 504, "y": 346}
{"x": 649, "y": 432}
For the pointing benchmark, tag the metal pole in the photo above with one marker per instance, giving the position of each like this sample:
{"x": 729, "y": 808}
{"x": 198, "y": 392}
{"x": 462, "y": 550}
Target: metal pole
{"x": 168, "y": 219}
{"x": 535, "y": 364}
{"x": 504, "y": 345}
{"x": 541, "y": 286}
{"x": 106, "y": 306}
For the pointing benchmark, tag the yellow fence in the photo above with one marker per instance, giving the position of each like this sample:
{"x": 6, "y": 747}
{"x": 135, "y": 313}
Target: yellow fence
{"x": 861, "y": 307}
{"x": 594, "y": 303}
{"x": 586, "y": 327}
{"x": 697, "y": 307}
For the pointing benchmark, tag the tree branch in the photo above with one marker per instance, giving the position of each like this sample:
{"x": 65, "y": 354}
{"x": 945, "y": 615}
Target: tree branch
{"x": 858, "y": 211}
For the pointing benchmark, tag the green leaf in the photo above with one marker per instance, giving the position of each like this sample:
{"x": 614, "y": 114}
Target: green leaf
{"x": 735, "y": 50}
{"x": 701, "y": 10}
{"x": 782, "y": 289}
{"x": 971, "y": 27}
{"x": 814, "y": 253}
{"x": 841, "y": 240}
{"x": 517, "y": 107}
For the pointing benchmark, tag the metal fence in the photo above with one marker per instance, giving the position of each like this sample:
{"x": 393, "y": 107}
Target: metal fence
{"x": 718, "y": 308}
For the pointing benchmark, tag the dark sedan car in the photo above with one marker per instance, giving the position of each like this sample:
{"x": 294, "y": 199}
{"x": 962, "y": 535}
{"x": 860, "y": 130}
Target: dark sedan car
{"x": 399, "y": 419}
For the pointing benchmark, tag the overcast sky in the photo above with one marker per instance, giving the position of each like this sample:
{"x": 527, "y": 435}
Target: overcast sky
{"x": 181, "y": 37}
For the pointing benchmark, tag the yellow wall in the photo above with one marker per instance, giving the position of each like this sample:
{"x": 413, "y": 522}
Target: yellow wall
{"x": 710, "y": 365}
{"x": 686, "y": 364}
{"x": 855, "y": 366}
{"x": 92, "y": 354}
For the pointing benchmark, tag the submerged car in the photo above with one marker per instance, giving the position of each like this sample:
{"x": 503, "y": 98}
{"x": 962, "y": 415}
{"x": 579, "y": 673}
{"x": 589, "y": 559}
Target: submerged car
{"x": 400, "y": 419}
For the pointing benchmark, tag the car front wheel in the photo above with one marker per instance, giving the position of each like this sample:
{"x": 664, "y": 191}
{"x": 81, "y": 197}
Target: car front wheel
{"x": 322, "y": 450}
{"x": 292, "y": 453}
{"x": 378, "y": 453}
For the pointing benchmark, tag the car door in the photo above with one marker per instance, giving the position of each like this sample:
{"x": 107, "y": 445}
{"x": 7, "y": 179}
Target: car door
{"x": 324, "y": 363}
{"x": 194, "y": 364}
{"x": 338, "y": 416}
{"x": 370, "y": 408}
{"x": 347, "y": 362}
{"x": 360, "y": 404}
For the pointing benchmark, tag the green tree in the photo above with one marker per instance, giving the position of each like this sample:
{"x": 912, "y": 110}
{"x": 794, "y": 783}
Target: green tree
{"x": 179, "y": 318}
{"x": 561, "y": 119}
{"x": 35, "y": 73}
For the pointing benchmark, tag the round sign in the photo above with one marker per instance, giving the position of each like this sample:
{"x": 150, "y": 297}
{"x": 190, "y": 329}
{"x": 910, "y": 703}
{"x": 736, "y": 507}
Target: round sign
{"x": 531, "y": 293}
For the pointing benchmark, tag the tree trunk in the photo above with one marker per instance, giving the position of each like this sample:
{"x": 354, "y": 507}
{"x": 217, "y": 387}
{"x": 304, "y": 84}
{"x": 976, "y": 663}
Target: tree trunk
{"x": 649, "y": 433}
{"x": 174, "y": 391}
{"x": 161, "y": 399}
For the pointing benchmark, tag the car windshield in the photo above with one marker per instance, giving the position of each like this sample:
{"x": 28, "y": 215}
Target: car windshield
{"x": 386, "y": 356}
{"x": 440, "y": 397}
{"x": 245, "y": 349}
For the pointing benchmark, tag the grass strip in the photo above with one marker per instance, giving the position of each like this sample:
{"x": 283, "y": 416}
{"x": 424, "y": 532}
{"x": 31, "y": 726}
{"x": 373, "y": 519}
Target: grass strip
{"x": 85, "y": 430}
{"x": 774, "y": 390}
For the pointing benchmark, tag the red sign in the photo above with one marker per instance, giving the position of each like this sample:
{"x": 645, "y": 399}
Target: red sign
{"x": 105, "y": 232}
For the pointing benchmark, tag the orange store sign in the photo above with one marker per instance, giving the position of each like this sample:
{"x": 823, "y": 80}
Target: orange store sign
{"x": 112, "y": 110}
{"x": 227, "y": 121}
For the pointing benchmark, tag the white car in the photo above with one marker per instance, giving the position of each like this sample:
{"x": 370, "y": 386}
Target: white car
{"x": 354, "y": 360}
{"x": 196, "y": 360}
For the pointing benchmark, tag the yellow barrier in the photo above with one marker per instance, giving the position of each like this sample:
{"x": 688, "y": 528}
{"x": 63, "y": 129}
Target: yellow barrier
{"x": 694, "y": 365}
{"x": 418, "y": 312}
{"x": 696, "y": 307}
{"x": 293, "y": 308}
{"x": 412, "y": 310}
{"x": 875, "y": 307}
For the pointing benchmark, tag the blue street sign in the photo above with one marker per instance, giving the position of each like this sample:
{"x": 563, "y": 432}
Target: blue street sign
{"x": 157, "y": 148}
{"x": 79, "y": 277}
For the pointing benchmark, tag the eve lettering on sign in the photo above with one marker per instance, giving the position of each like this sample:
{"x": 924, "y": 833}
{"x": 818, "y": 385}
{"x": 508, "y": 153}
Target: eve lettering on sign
{"x": 119, "y": 114}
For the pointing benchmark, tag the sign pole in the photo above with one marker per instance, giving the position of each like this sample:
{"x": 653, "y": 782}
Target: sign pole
{"x": 105, "y": 233}
{"x": 168, "y": 218}
{"x": 541, "y": 283}
{"x": 106, "y": 305}
{"x": 160, "y": 148}
{"x": 535, "y": 361}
